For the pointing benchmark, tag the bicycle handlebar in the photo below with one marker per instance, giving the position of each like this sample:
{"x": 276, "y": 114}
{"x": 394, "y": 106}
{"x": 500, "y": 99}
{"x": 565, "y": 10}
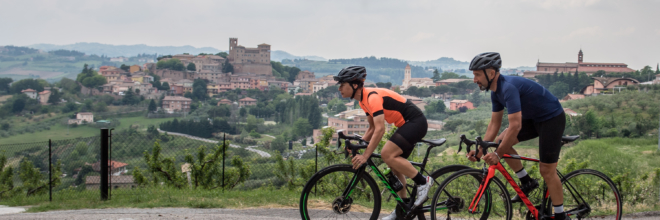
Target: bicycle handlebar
{"x": 481, "y": 144}
{"x": 347, "y": 141}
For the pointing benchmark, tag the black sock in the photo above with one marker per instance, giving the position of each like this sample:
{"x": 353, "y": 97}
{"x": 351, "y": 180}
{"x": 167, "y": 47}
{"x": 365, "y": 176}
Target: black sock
{"x": 559, "y": 212}
{"x": 419, "y": 179}
{"x": 525, "y": 179}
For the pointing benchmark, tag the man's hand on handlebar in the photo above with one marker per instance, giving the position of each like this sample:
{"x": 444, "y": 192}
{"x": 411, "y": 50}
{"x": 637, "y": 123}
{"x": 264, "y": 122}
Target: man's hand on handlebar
{"x": 471, "y": 157}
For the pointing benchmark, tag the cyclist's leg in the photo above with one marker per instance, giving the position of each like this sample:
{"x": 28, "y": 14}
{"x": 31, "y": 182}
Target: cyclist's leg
{"x": 550, "y": 135}
{"x": 549, "y": 173}
{"x": 391, "y": 155}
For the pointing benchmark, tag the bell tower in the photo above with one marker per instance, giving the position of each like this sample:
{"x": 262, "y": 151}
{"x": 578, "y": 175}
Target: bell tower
{"x": 580, "y": 56}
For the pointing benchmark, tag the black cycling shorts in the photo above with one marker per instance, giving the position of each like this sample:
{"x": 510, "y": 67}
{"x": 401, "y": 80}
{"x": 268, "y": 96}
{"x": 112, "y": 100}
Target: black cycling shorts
{"x": 549, "y": 133}
{"x": 409, "y": 134}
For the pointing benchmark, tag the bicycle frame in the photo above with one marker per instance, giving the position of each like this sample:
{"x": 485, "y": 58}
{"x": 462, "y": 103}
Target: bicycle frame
{"x": 349, "y": 190}
{"x": 491, "y": 173}
{"x": 499, "y": 167}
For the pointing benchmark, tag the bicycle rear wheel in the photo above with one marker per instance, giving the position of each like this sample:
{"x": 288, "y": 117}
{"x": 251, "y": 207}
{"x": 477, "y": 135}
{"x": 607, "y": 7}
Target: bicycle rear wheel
{"x": 322, "y": 195}
{"x": 590, "y": 194}
{"x": 455, "y": 194}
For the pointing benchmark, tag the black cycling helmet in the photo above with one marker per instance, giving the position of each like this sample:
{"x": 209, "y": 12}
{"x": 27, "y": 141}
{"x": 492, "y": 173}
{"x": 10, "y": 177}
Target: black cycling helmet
{"x": 352, "y": 75}
{"x": 486, "y": 60}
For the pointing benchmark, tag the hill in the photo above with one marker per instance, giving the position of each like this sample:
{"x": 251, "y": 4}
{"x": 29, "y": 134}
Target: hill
{"x": 125, "y": 50}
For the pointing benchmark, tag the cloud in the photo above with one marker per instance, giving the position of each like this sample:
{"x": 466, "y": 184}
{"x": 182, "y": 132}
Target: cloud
{"x": 625, "y": 32}
{"x": 567, "y": 4}
{"x": 421, "y": 36}
{"x": 585, "y": 32}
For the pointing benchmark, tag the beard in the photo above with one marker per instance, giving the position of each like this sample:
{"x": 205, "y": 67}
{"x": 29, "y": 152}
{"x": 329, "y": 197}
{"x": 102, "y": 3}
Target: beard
{"x": 482, "y": 87}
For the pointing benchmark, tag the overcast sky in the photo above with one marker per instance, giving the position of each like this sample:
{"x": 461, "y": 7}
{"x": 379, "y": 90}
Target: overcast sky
{"x": 522, "y": 30}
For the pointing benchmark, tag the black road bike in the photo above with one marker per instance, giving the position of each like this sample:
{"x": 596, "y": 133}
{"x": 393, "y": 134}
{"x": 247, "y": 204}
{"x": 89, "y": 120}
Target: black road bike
{"x": 341, "y": 192}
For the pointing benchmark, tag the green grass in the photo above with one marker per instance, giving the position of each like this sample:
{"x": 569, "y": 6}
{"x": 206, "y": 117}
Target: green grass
{"x": 159, "y": 197}
{"x": 60, "y": 131}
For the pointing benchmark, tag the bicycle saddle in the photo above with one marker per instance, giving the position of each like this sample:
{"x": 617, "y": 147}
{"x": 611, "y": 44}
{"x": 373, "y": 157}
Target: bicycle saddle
{"x": 436, "y": 142}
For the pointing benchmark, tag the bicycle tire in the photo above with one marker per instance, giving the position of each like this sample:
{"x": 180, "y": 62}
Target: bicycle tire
{"x": 336, "y": 173}
{"x": 461, "y": 199}
{"x": 591, "y": 185}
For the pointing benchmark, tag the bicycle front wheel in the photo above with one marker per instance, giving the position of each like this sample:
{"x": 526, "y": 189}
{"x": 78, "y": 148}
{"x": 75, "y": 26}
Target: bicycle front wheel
{"x": 589, "y": 194}
{"x": 454, "y": 196}
{"x": 322, "y": 195}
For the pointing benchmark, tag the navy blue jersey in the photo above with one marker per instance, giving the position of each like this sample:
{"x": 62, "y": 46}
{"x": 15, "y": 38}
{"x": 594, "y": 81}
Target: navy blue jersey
{"x": 519, "y": 94}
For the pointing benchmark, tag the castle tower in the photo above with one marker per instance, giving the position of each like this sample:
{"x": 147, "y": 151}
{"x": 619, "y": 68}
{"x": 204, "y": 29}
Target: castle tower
{"x": 580, "y": 56}
{"x": 233, "y": 42}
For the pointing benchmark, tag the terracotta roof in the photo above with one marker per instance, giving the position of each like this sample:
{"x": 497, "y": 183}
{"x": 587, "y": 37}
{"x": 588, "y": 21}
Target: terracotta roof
{"x": 114, "y": 179}
{"x": 574, "y": 96}
{"x": 607, "y": 80}
{"x": 44, "y": 92}
{"x": 176, "y": 98}
{"x": 420, "y": 79}
{"x": 452, "y": 80}
{"x": 606, "y": 69}
{"x": 558, "y": 64}
{"x": 248, "y": 99}
{"x": 225, "y": 100}
{"x": 459, "y": 101}
{"x": 29, "y": 90}
{"x": 111, "y": 163}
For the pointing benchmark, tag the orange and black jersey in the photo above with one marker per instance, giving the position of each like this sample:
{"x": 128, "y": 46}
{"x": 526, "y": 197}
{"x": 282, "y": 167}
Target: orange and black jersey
{"x": 396, "y": 108}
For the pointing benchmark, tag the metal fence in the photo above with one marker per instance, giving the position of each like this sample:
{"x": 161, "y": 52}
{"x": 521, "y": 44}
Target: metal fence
{"x": 180, "y": 162}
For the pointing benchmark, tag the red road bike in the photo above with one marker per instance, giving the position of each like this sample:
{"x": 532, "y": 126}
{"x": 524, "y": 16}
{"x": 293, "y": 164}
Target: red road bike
{"x": 588, "y": 194}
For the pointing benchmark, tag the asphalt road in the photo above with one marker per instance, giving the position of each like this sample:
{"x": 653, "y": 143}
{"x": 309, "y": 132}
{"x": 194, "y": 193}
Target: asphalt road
{"x": 189, "y": 213}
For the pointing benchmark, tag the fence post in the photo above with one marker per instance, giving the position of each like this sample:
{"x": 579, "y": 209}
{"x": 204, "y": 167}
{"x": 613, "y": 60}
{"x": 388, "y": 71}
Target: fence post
{"x": 224, "y": 142}
{"x": 104, "y": 163}
{"x": 50, "y": 170}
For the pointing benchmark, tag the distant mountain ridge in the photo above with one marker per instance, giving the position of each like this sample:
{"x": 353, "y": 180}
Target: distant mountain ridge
{"x": 133, "y": 50}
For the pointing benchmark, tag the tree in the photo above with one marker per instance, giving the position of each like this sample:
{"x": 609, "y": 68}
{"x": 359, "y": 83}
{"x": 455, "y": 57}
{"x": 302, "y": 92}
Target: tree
{"x": 173, "y": 64}
{"x": 165, "y": 86}
{"x": 242, "y": 112}
{"x": 302, "y": 128}
{"x": 279, "y": 144}
{"x": 559, "y": 89}
{"x": 227, "y": 67}
{"x": 100, "y": 107}
{"x": 435, "y": 107}
{"x": 152, "y": 106}
{"x": 436, "y": 75}
{"x": 23, "y": 84}
{"x": 199, "y": 89}
{"x": 191, "y": 67}
{"x": 125, "y": 67}
{"x": 54, "y": 97}
{"x": 336, "y": 105}
{"x": 130, "y": 98}
{"x": 222, "y": 54}
{"x": 18, "y": 105}
{"x": 4, "y": 84}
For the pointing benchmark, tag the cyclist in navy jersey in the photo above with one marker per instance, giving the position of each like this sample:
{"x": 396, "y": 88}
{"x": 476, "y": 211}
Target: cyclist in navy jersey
{"x": 532, "y": 112}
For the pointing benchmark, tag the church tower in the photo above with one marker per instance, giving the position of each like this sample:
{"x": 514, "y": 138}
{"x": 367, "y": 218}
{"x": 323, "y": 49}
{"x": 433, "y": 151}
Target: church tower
{"x": 407, "y": 76}
{"x": 580, "y": 56}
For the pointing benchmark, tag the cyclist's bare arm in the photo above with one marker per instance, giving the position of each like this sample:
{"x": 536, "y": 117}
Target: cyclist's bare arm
{"x": 377, "y": 133}
{"x": 370, "y": 129}
{"x": 511, "y": 136}
{"x": 491, "y": 133}
{"x": 494, "y": 126}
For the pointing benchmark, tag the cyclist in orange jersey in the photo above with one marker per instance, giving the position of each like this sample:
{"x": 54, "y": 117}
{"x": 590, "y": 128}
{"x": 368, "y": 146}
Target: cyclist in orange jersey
{"x": 384, "y": 105}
